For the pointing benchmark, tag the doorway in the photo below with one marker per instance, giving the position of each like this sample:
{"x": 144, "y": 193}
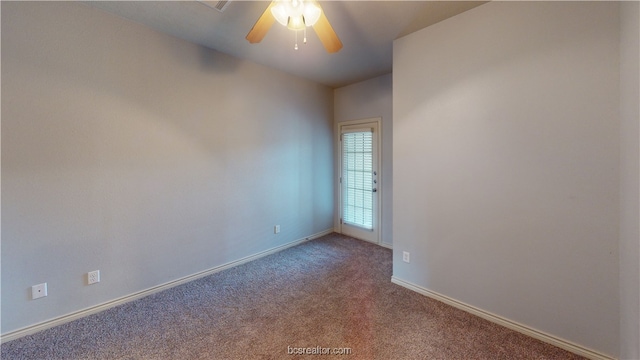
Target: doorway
{"x": 360, "y": 179}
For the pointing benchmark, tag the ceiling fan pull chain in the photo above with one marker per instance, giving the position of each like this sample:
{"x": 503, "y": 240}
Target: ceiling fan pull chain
{"x": 296, "y": 47}
{"x": 305, "y": 35}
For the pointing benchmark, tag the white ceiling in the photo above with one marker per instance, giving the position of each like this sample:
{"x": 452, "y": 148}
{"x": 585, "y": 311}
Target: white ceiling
{"x": 367, "y": 30}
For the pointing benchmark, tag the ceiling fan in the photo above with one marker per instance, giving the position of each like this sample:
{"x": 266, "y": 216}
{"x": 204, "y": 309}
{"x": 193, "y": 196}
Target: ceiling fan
{"x": 296, "y": 15}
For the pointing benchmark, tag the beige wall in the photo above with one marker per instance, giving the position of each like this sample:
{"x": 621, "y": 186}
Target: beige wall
{"x": 370, "y": 99}
{"x": 146, "y": 157}
{"x": 629, "y": 180}
{"x": 506, "y": 164}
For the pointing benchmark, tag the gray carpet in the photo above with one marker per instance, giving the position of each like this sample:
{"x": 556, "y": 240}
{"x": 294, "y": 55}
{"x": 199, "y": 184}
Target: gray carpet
{"x": 333, "y": 292}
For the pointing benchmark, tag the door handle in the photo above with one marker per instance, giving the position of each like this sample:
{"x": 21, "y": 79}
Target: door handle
{"x": 374, "y": 190}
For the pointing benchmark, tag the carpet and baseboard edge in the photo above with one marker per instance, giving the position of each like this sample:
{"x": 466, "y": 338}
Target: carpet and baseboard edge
{"x": 16, "y": 334}
{"x": 510, "y": 324}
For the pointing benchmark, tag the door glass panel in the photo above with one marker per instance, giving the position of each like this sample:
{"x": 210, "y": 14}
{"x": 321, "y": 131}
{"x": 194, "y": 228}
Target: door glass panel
{"x": 358, "y": 178}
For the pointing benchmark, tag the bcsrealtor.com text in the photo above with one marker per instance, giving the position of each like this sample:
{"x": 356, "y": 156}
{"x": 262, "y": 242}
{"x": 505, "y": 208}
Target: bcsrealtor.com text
{"x": 318, "y": 350}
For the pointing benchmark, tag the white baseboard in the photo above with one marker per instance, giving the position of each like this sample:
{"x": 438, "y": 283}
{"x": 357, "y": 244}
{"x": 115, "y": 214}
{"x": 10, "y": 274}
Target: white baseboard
{"x": 537, "y": 334}
{"x": 140, "y": 294}
{"x": 338, "y": 230}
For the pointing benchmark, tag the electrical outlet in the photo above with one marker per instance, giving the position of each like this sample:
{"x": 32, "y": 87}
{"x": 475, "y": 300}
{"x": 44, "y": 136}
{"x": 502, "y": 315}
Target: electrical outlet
{"x": 405, "y": 257}
{"x": 276, "y": 229}
{"x": 93, "y": 277}
{"x": 38, "y": 291}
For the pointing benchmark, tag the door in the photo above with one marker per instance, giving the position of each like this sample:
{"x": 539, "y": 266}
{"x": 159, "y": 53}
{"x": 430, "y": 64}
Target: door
{"x": 360, "y": 180}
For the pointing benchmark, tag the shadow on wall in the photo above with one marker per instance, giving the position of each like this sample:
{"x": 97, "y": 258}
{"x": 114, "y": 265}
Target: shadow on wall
{"x": 212, "y": 60}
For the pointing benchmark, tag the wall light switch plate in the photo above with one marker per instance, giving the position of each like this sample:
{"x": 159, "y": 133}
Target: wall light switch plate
{"x": 38, "y": 291}
{"x": 276, "y": 229}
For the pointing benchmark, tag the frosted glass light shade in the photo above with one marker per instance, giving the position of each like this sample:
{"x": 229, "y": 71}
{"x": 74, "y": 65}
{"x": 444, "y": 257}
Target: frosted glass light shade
{"x": 296, "y": 22}
{"x": 311, "y": 13}
{"x": 296, "y": 14}
{"x": 279, "y": 12}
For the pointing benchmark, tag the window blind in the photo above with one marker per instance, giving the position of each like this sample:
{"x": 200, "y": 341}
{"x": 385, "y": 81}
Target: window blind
{"x": 357, "y": 178}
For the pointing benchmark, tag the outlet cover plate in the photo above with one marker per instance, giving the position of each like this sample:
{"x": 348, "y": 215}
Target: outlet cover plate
{"x": 406, "y": 257}
{"x": 38, "y": 291}
{"x": 93, "y": 277}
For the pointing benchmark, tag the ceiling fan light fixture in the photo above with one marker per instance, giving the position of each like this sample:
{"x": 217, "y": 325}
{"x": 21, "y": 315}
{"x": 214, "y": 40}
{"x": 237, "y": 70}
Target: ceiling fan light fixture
{"x": 296, "y": 14}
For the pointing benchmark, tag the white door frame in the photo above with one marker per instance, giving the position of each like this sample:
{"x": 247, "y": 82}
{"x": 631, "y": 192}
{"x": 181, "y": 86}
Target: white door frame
{"x": 380, "y": 176}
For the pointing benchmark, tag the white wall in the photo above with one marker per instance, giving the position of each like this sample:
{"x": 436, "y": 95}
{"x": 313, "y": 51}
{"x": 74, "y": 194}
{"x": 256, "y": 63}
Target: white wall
{"x": 506, "y": 164}
{"x": 629, "y": 180}
{"x": 369, "y": 99}
{"x": 144, "y": 156}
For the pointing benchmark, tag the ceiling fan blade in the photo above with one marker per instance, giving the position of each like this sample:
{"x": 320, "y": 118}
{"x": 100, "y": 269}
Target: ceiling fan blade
{"x": 260, "y": 28}
{"x": 327, "y": 35}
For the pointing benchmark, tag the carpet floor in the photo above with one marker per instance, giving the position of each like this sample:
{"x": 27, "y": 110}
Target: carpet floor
{"x": 332, "y": 294}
